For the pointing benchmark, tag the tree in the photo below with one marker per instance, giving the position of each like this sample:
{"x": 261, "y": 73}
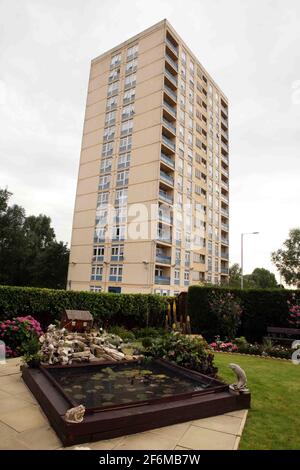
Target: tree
{"x": 263, "y": 278}
{"x": 29, "y": 252}
{"x": 287, "y": 259}
{"x": 235, "y": 273}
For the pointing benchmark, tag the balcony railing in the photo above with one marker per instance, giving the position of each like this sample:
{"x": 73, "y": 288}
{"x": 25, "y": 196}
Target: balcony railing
{"x": 162, "y": 237}
{"x": 170, "y": 92}
{"x": 97, "y": 258}
{"x": 225, "y": 146}
{"x": 225, "y": 198}
{"x": 164, "y": 196}
{"x": 225, "y": 184}
{"x": 167, "y": 160}
{"x": 172, "y": 62}
{"x": 122, "y": 182}
{"x": 224, "y": 211}
{"x": 165, "y": 177}
{"x": 169, "y": 125}
{"x": 225, "y": 159}
{"x": 170, "y": 109}
{"x": 168, "y": 142}
{"x": 165, "y": 219}
{"x": 162, "y": 280}
{"x": 174, "y": 48}
{"x": 224, "y": 240}
{"x": 225, "y": 172}
{"x": 171, "y": 77}
{"x": 225, "y": 227}
{"x": 163, "y": 259}
{"x": 224, "y": 270}
{"x": 224, "y": 255}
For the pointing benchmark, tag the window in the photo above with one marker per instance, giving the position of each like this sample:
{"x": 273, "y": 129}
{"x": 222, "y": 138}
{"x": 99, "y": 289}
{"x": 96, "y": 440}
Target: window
{"x": 95, "y": 289}
{"x": 188, "y": 239}
{"x": 191, "y": 108}
{"x": 130, "y": 81}
{"x": 125, "y": 143}
{"x": 117, "y": 252}
{"x": 109, "y": 133}
{"x": 182, "y": 86}
{"x": 115, "y": 60}
{"x": 101, "y": 217}
{"x": 192, "y": 67}
{"x": 183, "y": 57}
{"x": 181, "y": 116}
{"x": 179, "y": 183}
{"x": 96, "y": 273}
{"x": 210, "y": 200}
{"x": 132, "y": 52}
{"x": 191, "y": 123}
{"x": 99, "y": 235}
{"x": 105, "y": 165}
{"x": 183, "y": 72}
{"x": 122, "y": 178}
{"x": 189, "y": 170}
{"x": 120, "y": 215}
{"x": 210, "y": 89}
{"x": 98, "y": 253}
{"x": 110, "y": 118}
{"x": 181, "y": 132}
{"x": 187, "y": 258}
{"x": 177, "y": 256}
{"x": 121, "y": 197}
{"x": 118, "y": 232}
{"x": 129, "y": 95}
{"x": 131, "y": 66}
{"x": 126, "y": 127}
{"x": 176, "y": 276}
{"x": 216, "y": 251}
{"x": 180, "y": 165}
{"x": 124, "y": 160}
{"x": 102, "y": 199}
{"x": 186, "y": 278}
{"x": 216, "y": 233}
{"x": 114, "y": 75}
{"x": 182, "y": 100}
{"x": 190, "y": 138}
{"x": 104, "y": 182}
{"x": 107, "y": 149}
{"x": 216, "y": 265}
{"x": 112, "y": 103}
{"x": 181, "y": 149}
{"x": 115, "y": 273}
{"x": 127, "y": 111}
{"x": 191, "y": 95}
{"x": 178, "y": 236}
{"x": 113, "y": 89}
{"x": 198, "y": 258}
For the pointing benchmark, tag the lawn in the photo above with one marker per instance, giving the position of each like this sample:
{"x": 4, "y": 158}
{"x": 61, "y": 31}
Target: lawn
{"x": 274, "y": 419}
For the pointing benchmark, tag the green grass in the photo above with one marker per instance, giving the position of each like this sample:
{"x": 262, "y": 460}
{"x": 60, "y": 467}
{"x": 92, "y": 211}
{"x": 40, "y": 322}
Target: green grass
{"x": 274, "y": 419}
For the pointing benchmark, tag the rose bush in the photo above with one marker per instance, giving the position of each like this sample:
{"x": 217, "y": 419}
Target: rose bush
{"x": 16, "y": 334}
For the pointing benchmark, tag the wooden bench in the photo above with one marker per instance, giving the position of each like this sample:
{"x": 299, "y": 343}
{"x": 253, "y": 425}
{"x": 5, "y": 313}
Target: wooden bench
{"x": 282, "y": 335}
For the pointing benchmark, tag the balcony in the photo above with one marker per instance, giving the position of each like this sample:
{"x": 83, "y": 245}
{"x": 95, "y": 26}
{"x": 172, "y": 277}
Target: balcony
{"x": 167, "y": 160}
{"x": 164, "y": 238}
{"x": 176, "y": 282}
{"x": 171, "y": 78}
{"x": 166, "y": 178}
{"x": 122, "y": 182}
{"x": 225, "y": 159}
{"x": 225, "y": 146}
{"x": 170, "y": 92}
{"x": 224, "y": 270}
{"x": 165, "y": 197}
{"x": 224, "y": 211}
{"x": 224, "y": 255}
{"x": 224, "y": 241}
{"x": 170, "y": 109}
{"x": 171, "y": 62}
{"x": 163, "y": 259}
{"x": 165, "y": 218}
{"x": 162, "y": 280}
{"x": 225, "y": 227}
{"x": 169, "y": 126}
{"x": 168, "y": 143}
{"x": 224, "y": 110}
{"x": 173, "y": 48}
{"x": 186, "y": 283}
{"x": 97, "y": 258}
{"x": 225, "y": 184}
{"x": 224, "y": 198}
{"x": 225, "y": 172}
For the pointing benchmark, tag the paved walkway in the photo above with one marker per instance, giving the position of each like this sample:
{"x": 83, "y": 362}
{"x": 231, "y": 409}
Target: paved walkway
{"x": 23, "y": 425}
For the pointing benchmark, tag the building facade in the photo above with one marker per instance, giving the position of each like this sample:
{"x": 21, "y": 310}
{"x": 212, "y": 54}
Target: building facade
{"x": 152, "y": 203}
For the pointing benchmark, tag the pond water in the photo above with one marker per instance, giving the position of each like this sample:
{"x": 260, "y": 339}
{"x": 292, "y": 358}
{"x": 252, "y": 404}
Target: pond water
{"x": 121, "y": 384}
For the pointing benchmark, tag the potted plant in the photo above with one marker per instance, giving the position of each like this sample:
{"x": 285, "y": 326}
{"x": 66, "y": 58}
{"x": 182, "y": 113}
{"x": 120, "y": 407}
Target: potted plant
{"x": 32, "y": 353}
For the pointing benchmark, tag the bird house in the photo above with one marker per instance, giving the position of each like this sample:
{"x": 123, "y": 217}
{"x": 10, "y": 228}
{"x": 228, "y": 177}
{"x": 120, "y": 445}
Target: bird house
{"x": 77, "y": 320}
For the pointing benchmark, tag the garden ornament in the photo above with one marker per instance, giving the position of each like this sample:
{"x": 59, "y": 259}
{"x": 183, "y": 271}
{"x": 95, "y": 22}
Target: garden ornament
{"x": 75, "y": 415}
{"x": 241, "y": 384}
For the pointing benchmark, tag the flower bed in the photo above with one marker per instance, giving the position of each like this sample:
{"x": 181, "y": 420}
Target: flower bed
{"x": 240, "y": 345}
{"x": 17, "y": 333}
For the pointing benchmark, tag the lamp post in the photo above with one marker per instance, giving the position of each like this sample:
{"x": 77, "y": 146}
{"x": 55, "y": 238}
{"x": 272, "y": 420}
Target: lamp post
{"x": 242, "y": 255}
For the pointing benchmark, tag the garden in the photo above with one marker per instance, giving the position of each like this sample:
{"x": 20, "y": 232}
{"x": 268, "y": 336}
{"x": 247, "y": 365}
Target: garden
{"x": 227, "y": 326}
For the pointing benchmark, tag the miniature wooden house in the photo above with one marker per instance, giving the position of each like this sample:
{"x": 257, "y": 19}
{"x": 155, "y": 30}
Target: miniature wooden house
{"x": 77, "y": 320}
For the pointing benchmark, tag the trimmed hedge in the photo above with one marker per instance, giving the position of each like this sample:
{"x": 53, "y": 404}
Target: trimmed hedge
{"x": 47, "y": 305}
{"x": 261, "y": 308}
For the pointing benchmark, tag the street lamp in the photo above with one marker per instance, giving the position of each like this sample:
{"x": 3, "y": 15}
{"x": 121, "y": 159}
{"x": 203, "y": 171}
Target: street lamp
{"x": 242, "y": 255}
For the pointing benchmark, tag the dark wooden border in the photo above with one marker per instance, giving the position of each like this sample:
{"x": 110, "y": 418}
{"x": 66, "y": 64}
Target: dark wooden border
{"x": 114, "y": 422}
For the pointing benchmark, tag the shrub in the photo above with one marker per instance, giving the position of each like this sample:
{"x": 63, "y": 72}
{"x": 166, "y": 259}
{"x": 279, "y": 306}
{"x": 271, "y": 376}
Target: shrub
{"x": 47, "y": 305}
{"x": 260, "y": 308}
{"x": 190, "y": 352}
{"x": 148, "y": 331}
{"x": 124, "y": 334}
{"x": 147, "y": 342}
{"x": 226, "y": 310}
{"x": 18, "y": 333}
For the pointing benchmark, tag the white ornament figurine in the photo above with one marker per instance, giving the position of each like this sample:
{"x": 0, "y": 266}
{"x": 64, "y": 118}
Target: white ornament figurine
{"x": 75, "y": 415}
{"x": 241, "y": 385}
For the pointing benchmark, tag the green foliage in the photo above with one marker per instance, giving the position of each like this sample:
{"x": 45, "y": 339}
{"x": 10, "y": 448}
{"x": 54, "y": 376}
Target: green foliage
{"x": 226, "y": 311}
{"x": 31, "y": 352}
{"x": 190, "y": 352}
{"x": 124, "y": 334}
{"x": 260, "y": 278}
{"x": 47, "y": 305}
{"x": 260, "y": 308}
{"x": 287, "y": 259}
{"x": 147, "y": 341}
{"x": 29, "y": 252}
{"x": 148, "y": 332}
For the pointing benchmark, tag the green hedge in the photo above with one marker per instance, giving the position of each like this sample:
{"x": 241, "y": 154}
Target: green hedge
{"x": 47, "y": 305}
{"x": 261, "y": 308}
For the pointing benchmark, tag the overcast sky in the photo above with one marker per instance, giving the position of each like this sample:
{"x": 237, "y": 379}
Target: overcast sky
{"x": 250, "y": 47}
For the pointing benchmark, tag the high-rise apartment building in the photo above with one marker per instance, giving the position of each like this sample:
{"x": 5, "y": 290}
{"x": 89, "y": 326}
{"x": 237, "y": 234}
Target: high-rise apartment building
{"x": 152, "y": 207}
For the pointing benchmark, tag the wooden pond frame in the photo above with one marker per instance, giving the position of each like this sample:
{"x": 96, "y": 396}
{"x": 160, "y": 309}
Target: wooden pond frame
{"x": 117, "y": 420}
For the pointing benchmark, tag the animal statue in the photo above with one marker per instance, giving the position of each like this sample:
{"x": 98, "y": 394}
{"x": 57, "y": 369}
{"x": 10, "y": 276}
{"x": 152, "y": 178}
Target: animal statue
{"x": 75, "y": 415}
{"x": 241, "y": 384}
